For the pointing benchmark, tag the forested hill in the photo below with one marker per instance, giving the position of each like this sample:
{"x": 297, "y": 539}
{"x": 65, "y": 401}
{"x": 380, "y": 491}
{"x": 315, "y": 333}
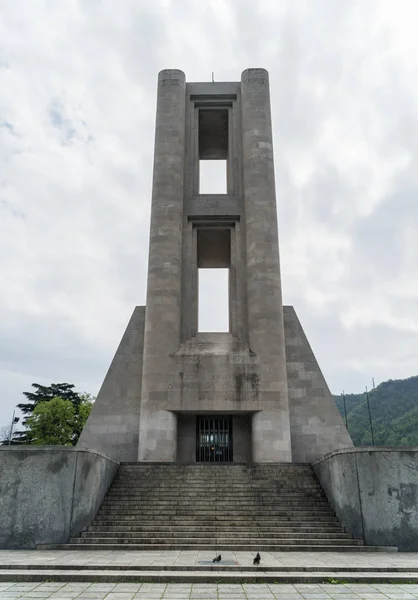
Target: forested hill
{"x": 394, "y": 412}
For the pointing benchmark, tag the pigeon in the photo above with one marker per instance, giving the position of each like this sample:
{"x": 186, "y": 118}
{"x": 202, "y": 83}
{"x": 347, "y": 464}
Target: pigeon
{"x": 217, "y": 558}
{"x": 257, "y": 559}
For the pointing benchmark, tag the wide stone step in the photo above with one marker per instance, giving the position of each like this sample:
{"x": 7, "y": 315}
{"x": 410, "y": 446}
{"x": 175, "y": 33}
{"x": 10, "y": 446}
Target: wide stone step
{"x": 187, "y": 492}
{"x": 140, "y": 495}
{"x": 215, "y": 534}
{"x": 199, "y": 501}
{"x": 262, "y": 542}
{"x": 208, "y": 573}
{"x": 197, "y": 466}
{"x": 209, "y": 513}
{"x": 219, "y": 485}
{"x": 217, "y": 507}
{"x": 290, "y": 478}
{"x": 106, "y": 518}
{"x": 216, "y": 471}
{"x": 227, "y": 491}
{"x": 236, "y": 486}
{"x": 243, "y": 492}
{"x": 213, "y": 548}
{"x": 216, "y": 474}
{"x": 220, "y": 527}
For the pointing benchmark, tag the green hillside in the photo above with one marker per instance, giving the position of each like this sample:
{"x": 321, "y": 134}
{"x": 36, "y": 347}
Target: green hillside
{"x": 394, "y": 412}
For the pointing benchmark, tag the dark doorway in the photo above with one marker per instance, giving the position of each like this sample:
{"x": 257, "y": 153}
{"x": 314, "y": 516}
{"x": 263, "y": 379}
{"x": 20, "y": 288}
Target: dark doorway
{"x": 214, "y": 439}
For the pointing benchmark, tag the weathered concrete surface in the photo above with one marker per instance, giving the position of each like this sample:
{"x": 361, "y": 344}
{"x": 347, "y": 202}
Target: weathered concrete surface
{"x": 48, "y": 493}
{"x": 113, "y": 424}
{"x": 270, "y": 429}
{"x": 316, "y": 425}
{"x": 245, "y": 371}
{"x": 338, "y": 476}
{"x": 158, "y": 428}
{"x": 374, "y": 492}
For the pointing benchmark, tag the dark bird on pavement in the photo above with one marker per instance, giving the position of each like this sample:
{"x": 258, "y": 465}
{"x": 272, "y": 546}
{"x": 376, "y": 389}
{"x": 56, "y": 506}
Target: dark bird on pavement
{"x": 257, "y": 559}
{"x": 217, "y": 558}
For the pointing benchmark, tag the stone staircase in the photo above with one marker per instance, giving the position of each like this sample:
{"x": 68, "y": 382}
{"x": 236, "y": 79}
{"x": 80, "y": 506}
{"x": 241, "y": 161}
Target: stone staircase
{"x": 263, "y": 507}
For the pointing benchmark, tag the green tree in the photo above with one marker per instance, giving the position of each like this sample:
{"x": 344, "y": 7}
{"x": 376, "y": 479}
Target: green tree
{"x": 52, "y": 423}
{"x": 58, "y": 421}
{"x": 82, "y": 414}
{"x": 42, "y": 393}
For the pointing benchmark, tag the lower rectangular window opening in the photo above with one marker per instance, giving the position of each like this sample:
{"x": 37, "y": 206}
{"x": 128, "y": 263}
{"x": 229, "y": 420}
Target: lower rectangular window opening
{"x": 213, "y": 308}
{"x": 212, "y": 177}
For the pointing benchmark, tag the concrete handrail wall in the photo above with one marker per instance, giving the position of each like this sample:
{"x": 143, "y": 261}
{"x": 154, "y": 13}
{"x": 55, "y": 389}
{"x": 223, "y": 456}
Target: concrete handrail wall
{"x": 374, "y": 492}
{"x": 49, "y": 493}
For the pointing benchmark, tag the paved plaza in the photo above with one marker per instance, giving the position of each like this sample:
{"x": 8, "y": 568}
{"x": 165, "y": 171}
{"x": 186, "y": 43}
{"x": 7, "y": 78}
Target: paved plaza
{"x": 193, "y": 559}
{"x": 206, "y": 591}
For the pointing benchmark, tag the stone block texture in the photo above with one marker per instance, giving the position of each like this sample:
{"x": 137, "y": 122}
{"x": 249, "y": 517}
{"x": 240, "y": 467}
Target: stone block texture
{"x": 113, "y": 424}
{"x": 374, "y": 493}
{"x": 49, "y": 493}
{"x": 316, "y": 424}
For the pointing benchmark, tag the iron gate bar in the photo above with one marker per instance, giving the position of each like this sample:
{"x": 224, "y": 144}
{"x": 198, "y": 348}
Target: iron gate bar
{"x": 214, "y": 439}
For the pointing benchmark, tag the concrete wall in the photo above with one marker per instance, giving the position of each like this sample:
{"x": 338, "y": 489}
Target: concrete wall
{"x": 186, "y": 443}
{"x": 113, "y": 424}
{"x": 316, "y": 425}
{"x": 49, "y": 493}
{"x": 213, "y": 372}
{"x": 158, "y": 428}
{"x": 271, "y": 440}
{"x": 374, "y": 492}
{"x": 241, "y": 432}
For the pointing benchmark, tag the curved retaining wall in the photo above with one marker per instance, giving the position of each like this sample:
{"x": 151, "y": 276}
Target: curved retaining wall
{"x": 374, "y": 492}
{"x": 49, "y": 493}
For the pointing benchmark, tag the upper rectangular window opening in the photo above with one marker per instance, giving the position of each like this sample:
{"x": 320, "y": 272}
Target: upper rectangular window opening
{"x": 213, "y": 134}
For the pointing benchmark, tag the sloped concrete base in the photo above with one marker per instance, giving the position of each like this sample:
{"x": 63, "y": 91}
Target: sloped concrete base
{"x": 316, "y": 425}
{"x": 113, "y": 424}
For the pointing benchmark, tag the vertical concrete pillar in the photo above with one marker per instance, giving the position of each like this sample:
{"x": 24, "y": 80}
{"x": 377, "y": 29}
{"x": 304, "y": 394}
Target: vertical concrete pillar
{"x": 158, "y": 428}
{"x": 270, "y": 428}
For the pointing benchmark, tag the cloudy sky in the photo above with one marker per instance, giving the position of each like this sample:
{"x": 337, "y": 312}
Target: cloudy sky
{"x": 77, "y": 109}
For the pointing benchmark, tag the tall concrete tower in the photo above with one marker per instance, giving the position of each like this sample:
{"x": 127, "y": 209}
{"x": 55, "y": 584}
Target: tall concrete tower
{"x": 253, "y": 393}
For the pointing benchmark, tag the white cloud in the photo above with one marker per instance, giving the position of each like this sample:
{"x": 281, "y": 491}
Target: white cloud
{"x": 77, "y": 109}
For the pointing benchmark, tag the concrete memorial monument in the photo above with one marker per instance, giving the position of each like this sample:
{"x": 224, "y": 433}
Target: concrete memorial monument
{"x": 254, "y": 393}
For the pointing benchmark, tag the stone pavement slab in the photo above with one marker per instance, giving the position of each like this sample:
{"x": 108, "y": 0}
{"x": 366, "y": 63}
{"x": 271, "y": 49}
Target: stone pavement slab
{"x": 210, "y": 591}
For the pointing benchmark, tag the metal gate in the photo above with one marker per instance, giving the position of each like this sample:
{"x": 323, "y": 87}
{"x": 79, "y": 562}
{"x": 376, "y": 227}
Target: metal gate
{"x": 214, "y": 439}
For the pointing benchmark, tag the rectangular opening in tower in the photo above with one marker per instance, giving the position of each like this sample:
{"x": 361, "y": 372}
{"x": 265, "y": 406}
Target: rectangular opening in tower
{"x": 213, "y": 262}
{"x": 212, "y": 177}
{"x": 213, "y": 301}
{"x": 213, "y": 150}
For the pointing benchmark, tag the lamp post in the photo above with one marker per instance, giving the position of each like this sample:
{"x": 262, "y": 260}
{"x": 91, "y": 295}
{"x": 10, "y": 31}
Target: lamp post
{"x": 345, "y": 410}
{"x": 370, "y": 415}
{"x": 14, "y": 421}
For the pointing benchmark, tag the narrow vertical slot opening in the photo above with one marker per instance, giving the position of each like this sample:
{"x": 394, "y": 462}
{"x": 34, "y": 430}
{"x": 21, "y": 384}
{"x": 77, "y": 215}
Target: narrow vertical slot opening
{"x": 213, "y": 263}
{"x": 213, "y": 300}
